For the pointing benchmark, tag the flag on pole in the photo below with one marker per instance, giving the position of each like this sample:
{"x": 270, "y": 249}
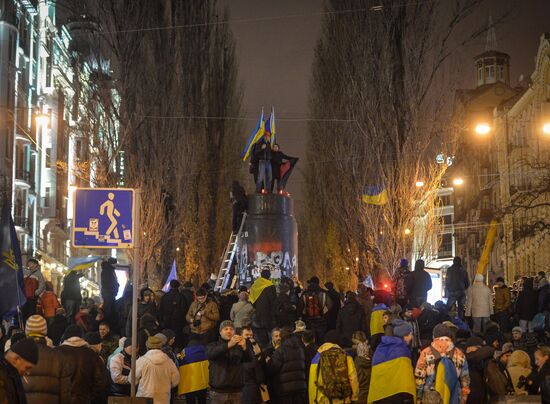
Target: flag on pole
{"x": 270, "y": 126}
{"x": 375, "y": 195}
{"x": 11, "y": 266}
{"x": 256, "y": 135}
{"x": 172, "y": 276}
{"x": 80, "y": 263}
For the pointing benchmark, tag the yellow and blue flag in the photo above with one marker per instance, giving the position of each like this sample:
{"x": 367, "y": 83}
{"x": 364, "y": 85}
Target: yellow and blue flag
{"x": 446, "y": 381}
{"x": 11, "y": 266}
{"x": 256, "y": 135}
{"x": 81, "y": 263}
{"x": 375, "y": 195}
{"x": 193, "y": 370}
{"x": 173, "y": 275}
{"x": 257, "y": 288}
{"x": 377, "y": 319}
{"x": 270, "y": 126}
{"x": 392, "y": 371}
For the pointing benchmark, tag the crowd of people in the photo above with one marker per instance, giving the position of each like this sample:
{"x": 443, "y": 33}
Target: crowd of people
{"x": 283, "y": 343}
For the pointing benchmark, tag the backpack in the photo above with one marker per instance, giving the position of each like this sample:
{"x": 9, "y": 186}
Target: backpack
{"x": 30, "y": 285}
{"x": 333, "y": 367}
{"x": 313, "y": 308}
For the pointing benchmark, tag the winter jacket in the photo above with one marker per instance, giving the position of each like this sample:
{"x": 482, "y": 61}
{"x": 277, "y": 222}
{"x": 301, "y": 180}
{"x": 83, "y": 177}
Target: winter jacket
{"x": 172, "y": 310}
{"x": 242, "y": 313}
{"x": 323, "y": 300}
{"x": 457, "y": 279}
{"x": 519, "y": 365}
{"x": 253, "y": 377}
{"x": 285, "y": 312}
{"x": 89, "y": 379}
{"x": 477, "y": 361}
{"x": 57, "y": 328}
{"x": 316, "y": 380}
{"x": 262, "y": 153}
{"x": 109, "y": 282}
{"x": 498, "y": 380}
{"x": 71, "y": 287}
{"x": 287, "y": 366}
{"x": 544, "y": 299}
{"x": 49, "y": 304}
{"x": 11, "y": 386}
{"x": 350, "y": 319}
{"x": 503, "y": 300}
{"x": 401, "y": 282}
{"x": 37, "y": 274}
{"x": 108, "y": 345}
{"x": 264, "y": 303}
{"x": 149, "y": 309}
{"x": 208, "y": 319}
{"x": 156, "y": 375}
{"x": 363, "y": 367}
{"x": 336, "y": 305}
{"x": 527, "y": 302}
{"x": 309, "y": 353}
{"x": 225, "y": 370}
{"x": 120, "y": 366}
{"x": 479, "y": 300}
{"x": 48, "y": 382}
{"x": 420, "y": 283}
{"x": 544, "y": 383}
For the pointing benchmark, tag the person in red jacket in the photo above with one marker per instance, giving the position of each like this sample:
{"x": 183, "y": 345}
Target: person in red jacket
{"x": 49, "y": 303}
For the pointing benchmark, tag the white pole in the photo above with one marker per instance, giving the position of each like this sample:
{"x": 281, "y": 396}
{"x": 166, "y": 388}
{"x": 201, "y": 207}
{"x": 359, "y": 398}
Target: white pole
{"x": 135, "y": 279}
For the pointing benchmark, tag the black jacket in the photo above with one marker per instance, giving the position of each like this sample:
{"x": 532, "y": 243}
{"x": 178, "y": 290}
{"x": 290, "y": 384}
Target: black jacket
{"x": 109, "y": 282}
{"x": 11, "y": 387}
{"x": 544, "y": 382}
{"x": 420, "y": 283}
{"x": 226, "y": 366}
{"x": 350, "y": 319}
{"x": 265, "y": 153}
{"x": 457, "y": 279}
{"x": 89, "y": 378}
{"x": 171, "y": 311}
{"x": 332, "y": 314}
{"x": 57, "y": 328}
{"x": 277, "y": 158}
{"x": 527, "y": 303}
{"x": 477, "y": 361}
{"x": 71, "y": 287}
{"x": 264, "y": 307}
{"x": 287, "y": 366}
{"x": 285, "y": 312}
{"x": 48, "y": 382}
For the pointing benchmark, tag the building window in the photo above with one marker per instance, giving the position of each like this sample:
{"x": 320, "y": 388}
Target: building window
{"x": 47, "y": 197}
{"x": 48, "y": 158}
{"x": 501, "y": 73}
{"x": 446, "y": 246}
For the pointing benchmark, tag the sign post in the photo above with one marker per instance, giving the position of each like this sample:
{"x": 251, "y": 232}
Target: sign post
{"x": 110, "y": 218}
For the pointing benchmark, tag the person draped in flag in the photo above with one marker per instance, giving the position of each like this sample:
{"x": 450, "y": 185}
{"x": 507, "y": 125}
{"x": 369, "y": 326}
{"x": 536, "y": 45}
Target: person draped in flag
{"x": 377, "y": 324}
{"x": 442, "y": 370}
{"x": 392, "y": 376}
{"x": 281, "y": 167}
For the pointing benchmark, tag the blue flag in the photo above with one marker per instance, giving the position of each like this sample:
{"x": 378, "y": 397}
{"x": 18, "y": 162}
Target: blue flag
{"x": 11, "y": 266}
{"x": 172, "y": 276}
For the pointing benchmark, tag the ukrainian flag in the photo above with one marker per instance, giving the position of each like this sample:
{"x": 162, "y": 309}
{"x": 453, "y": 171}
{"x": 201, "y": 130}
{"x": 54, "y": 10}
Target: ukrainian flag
{"x": 256, "y": 135}
{"x": 446, "y": 381}
{"x": 81, "y": 263}
{"x": 257, "y": 288}
{"x": 270, "y": 126}
{"x": 392, "y": 371}
{"x": 193, "y": 370}
{"x": 375, "y": 195}
{"x": 377, "y": 319}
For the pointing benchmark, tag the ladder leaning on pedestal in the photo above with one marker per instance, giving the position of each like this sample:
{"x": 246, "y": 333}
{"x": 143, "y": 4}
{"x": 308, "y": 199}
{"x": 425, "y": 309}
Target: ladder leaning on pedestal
{"x": 228, "y": 257}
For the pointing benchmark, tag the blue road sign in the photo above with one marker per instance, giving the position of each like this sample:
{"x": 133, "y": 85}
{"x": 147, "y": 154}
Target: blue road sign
{"x": 103, "y": 218}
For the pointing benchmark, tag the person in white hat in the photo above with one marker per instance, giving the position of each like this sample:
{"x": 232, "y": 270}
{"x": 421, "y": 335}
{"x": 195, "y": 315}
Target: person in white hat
{"x": 479, "y": 303}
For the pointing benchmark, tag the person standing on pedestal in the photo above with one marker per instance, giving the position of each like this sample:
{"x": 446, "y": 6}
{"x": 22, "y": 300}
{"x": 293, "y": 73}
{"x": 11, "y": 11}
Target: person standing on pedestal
{"x": 262, "y": 153}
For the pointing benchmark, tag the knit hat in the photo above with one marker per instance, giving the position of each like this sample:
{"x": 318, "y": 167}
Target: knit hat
{"x": 226, "y": 323}
{"x": 153, "y": 342}
{"x": 441, "y": 330}
{"x": 162, "y": 337}
{"x": 92, "y": 338}
{"x": 26, "y": 349}
{"x": 36, "y": 325}
{"x": 473, "y": 341}
{"x": 507, "y": 347}
{"x": 517, "y": 329}
{"x": 299, "y": 326}
{"x": 403, "y": 263}
{"x": 401, "y": 328}
{"x": 168, "y": 333}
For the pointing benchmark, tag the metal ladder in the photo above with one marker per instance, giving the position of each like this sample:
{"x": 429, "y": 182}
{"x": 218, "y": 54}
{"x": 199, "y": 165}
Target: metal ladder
{"x": 228, "y": 257}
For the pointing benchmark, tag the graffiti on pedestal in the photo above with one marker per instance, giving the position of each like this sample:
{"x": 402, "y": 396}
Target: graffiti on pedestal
{"x": 259, "y": 256}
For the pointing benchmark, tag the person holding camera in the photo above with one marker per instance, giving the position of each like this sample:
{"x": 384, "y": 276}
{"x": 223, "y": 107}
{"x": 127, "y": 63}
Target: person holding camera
{"x": 202, "y": 317}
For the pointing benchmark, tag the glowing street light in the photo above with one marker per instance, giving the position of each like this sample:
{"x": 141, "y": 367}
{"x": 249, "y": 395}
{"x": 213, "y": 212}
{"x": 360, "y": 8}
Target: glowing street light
{"x": 177, "y": 249}
{"x": 546, "y": 128}
{"x": 407, "y": 232}
{"x": 42, "y": 119}
{"x": 483, "y": 128}
{"x": 458, "y": 182}
{"x": 419, "y": 184}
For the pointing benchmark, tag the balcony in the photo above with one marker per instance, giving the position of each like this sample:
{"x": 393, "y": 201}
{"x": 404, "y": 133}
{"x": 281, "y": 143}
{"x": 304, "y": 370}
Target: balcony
{"x": 23, "y": 178}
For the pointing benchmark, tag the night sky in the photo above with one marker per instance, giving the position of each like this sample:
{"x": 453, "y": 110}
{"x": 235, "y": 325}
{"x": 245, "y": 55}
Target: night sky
{"x": 275, "y": 57}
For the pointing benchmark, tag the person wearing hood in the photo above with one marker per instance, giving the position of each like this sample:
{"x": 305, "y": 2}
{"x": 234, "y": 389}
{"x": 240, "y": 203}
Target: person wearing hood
{"x": 120, "y": 366}
{"x": 336, "y": 300}
{"x": 242, "y": 312}
{"x": 314, "y": 306}
{"x": 479, "y": 303}
{"x": 202, "y": 316}
{"x": 109, "y": 291}
{"x": 420, "y": 283}
{"x": 350, "y": 319}
{"x": 392, "y": 376}
{"x": 263, "y": 294}
{"x": 146, "y": 305}
{"x": 287, "y": 367}
{"x": 477, "y": 356}
{"x": 320, "y": 371}
{"x": 156, "y": 373}
{"x": 527, "y": 305}
{"x": 47, "y": 382}
{"x": 15, "y": 364}
{"x": 442, "y": 356}
{"x": 89, "y": 378}
{"x": 148, "y": 326}
{"x": 457, "y": 282}
{"x": 519, "y": 366}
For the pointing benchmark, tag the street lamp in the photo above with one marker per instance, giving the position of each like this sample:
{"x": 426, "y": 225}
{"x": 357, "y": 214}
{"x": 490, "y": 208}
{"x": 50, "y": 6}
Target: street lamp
{"x": 458, "y": 181}
{"x": 407, "y": 232}
{"x": 419, "y": 184}
{"x": 546, "y": 128}
{"x": 42, "y": 119}
{"x": 482, "y": 128}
